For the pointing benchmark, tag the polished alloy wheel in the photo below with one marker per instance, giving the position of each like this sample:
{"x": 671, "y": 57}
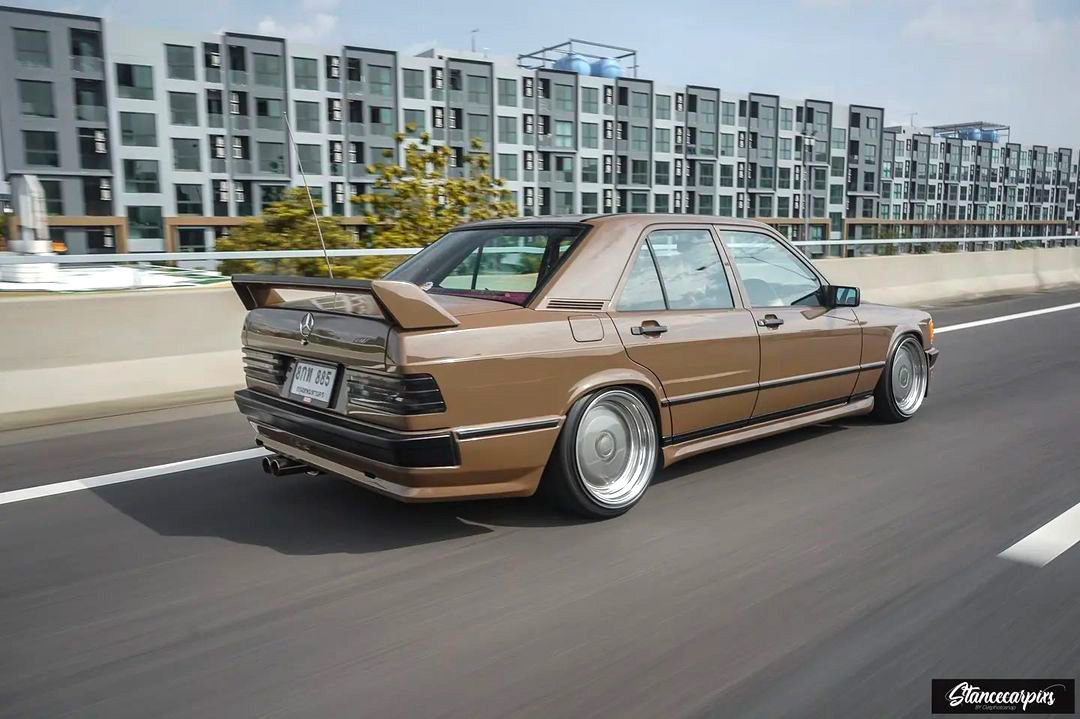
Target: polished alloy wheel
{"x": 909, "y": 376}
{"x": 615, "y": 448}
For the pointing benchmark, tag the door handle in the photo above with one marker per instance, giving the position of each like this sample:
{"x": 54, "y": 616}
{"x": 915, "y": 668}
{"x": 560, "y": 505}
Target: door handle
{"x": 651, "y": 329}
{"x": 770, "y": 321}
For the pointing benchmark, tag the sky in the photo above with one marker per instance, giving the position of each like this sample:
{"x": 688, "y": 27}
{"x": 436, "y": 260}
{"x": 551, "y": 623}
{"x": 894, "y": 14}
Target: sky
{"x": 1008, "y": 61}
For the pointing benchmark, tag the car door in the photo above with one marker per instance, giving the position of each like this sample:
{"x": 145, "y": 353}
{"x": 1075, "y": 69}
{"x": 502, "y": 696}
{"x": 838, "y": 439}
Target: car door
{"x": 677, "y": 315}
{"x": 810, "y": 354}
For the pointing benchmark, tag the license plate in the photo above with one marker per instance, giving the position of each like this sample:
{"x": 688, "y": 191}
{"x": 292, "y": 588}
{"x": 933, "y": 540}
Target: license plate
{"x": 312, "y": 383}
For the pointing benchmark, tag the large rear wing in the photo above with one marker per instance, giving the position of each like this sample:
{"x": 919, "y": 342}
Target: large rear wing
{"x": 403, "y": 303}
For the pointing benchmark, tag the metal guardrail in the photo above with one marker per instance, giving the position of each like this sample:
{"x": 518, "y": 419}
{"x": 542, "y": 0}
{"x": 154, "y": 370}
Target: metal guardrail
{"x": 152, "y": 257}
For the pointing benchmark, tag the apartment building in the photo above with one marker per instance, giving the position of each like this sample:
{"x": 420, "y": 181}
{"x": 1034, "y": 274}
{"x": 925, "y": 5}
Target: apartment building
{"x": 177, "y": 138}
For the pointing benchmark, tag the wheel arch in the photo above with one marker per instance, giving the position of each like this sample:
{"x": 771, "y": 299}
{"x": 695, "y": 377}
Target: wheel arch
{"x": 641, "y": 383}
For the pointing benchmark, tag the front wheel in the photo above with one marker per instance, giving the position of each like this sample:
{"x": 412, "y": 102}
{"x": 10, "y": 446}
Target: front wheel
{"x": 606, "y": 455}
{"x": 902, "y": 387}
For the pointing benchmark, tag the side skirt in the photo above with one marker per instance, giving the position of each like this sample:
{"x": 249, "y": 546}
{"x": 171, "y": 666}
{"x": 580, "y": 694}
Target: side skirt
{"x": 681, "y": 447}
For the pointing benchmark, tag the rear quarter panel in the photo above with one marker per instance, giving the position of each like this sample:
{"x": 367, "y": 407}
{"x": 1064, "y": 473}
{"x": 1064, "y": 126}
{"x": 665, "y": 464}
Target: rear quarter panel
{"x": 516, "y": 366}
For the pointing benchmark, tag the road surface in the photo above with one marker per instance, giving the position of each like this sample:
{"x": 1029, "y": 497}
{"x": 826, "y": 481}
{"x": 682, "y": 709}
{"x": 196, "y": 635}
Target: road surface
{"x": 831, "y": 572}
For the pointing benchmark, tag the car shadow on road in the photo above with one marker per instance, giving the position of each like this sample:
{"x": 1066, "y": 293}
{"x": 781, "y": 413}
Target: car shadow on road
{"x": 312, "y": 515}
{"x": 308, "y": 515}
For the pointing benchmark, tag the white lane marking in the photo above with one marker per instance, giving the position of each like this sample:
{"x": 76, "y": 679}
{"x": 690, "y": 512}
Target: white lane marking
{"x": 75, "y": 485}
{"x": 1048, "y": 541}
{"x": 47, "y": 490}
{"x": 1006, "y": 318}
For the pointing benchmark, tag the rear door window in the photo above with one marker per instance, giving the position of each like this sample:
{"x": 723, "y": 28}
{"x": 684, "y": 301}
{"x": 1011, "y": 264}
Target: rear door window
{"x": 677, "y": 269}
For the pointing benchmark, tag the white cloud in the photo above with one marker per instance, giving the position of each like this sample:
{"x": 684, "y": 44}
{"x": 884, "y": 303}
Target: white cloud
{"x": 315, "y": 28}
{"x": 326, "y": 6}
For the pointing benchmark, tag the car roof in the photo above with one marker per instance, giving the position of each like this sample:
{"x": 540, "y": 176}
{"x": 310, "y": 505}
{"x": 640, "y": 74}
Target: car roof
{"x": 633, "y": 219}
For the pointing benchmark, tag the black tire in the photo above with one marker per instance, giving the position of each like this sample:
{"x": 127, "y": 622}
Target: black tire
{"x": 564, "y": 483}
{"x": 886, "y": 407}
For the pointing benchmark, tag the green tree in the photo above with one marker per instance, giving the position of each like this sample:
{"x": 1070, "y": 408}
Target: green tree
{"x": 413, "y": 203}
{"x": 288, "y": 225}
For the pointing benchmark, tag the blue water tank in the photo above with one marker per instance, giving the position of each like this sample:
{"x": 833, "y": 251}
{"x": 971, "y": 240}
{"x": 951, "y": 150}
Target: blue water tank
{"x": 608, "y": 67}
{"x": 573, "y": 63}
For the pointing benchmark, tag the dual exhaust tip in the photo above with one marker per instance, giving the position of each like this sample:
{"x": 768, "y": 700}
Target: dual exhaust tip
{"x": 280, "y": 466}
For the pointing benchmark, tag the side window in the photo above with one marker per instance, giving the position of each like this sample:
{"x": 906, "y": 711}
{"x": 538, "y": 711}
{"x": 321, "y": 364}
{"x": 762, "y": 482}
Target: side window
{"x": 771, "y": 274}
{"x": 642, "y": 290}
{"x": 691, "y": 270}
{"x": 691, "y": 275}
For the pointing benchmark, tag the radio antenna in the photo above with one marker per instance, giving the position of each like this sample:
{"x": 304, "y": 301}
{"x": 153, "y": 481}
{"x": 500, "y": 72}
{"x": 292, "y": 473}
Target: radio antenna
{"x": 307, "y": 188}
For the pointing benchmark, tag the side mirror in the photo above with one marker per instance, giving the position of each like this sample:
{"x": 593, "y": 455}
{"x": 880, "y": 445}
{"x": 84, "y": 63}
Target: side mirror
{"x": 839, "y": 296}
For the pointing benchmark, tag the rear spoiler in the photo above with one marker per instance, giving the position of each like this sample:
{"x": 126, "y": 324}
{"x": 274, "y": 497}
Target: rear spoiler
{"x": 405, "y": 304}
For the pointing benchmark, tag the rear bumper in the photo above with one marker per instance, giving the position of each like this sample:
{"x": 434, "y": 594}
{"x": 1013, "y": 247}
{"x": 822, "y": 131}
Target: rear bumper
{"x": 402, "y": 449}
{"x": 464, "y": 463}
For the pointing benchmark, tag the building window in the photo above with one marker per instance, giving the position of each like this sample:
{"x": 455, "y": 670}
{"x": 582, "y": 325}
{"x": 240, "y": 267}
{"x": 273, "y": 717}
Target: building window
{"x": 707, "y": 143}
{"x": 839, "y": 138}
{"x": 588, "y": 203}
{"x": 54, "y": 200}
{"x": 41, "y": 148}
{"x": 727, "y": 113}
{"x": 308, "y": 157}
{"x": 707, "y": 174}
{"x": 727, "y": 175}
{"x": 186, "y": 153}
{"x": 480, "y": 127}
{"x": 267, "y": 69}
{"x": 35, "y": 98}
{"x": 414, "y": 122}
{"x": 32, "y": 48}
{"x": 184, "y": 108}
{"x": 785, "y": 118}
{"x": 507, "y": 92}
{"x": 307, "y": 116}
{"x": 663, "y": 139}
{"x": 180, "y": 62}
{"x": 272, "y": 157}
{"x": 590, "y": 100}
{"x": 639, "y": 138}
{"x": 727, "y": 144}
{"x": 413, "y": 84}
{"x": 564, "y": 134}
{"x": 141, "y": 176}
{"x": 590, "y": 169}
{"x": 663, "y": 108}
{"x": 508, "y": 166}
{"x": 305, "y": 73}
{"x": 189, "y": 199}
{"x": 379, "y": 80}
{"x": 134, "y": 81}
{"x": 479, "y": 89}
{"x": 785, "y": 148}
{"x": 639, "y": 172}
{"x": 663, "y": 172}
{"x": 564, "y": 97}
{"x": 138, "y": 129}
{"x": 507, "y": 129}
{"x": 144, "y": 222}
{"x": 589, "y": 135}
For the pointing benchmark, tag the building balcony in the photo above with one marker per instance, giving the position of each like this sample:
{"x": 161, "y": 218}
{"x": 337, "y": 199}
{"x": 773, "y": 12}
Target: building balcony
{"x": 240, "y": 122}
{"x": 212, "y": 74}
{"x": 238, "y": 77}
{"x": 241, "y": 167}
{"x": 87, "y": 63}
{"x": 91, "y": 113}
{"x": 333, "y": 127}
{"x": 356, "y": 128}
{"x": 264, "y": 122}
{"x": 214, "y": 119}
{"x": 217, "y": 165}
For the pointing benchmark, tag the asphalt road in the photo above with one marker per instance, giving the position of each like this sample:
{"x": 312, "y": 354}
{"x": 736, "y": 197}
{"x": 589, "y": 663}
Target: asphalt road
{"x": 831, "y": 572}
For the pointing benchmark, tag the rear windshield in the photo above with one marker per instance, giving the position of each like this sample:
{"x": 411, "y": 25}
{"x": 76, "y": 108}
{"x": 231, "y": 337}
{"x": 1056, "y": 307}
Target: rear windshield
{"x": 505, "y": 264}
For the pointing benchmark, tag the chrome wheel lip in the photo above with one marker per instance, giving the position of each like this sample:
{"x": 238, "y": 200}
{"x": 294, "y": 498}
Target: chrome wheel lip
{"x": 909, "y": 376}
{"x": 615, "y": 448}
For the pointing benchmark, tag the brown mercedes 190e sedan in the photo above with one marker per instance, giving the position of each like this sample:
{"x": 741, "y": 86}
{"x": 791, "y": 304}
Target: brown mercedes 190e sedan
{"x": 577, "y": 355}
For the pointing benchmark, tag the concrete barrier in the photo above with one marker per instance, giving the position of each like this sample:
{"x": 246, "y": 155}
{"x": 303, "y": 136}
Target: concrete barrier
{"x": 75, "y": 356}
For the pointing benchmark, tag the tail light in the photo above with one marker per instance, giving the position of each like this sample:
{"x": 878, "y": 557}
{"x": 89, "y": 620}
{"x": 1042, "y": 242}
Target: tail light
{"x": 394, "y": 394}
{"x": 265, "y": 366}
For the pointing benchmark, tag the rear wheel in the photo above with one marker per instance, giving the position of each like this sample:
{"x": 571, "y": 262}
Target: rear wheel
{"x": 902, "y": 387}
{"x": 606, "y": 455}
